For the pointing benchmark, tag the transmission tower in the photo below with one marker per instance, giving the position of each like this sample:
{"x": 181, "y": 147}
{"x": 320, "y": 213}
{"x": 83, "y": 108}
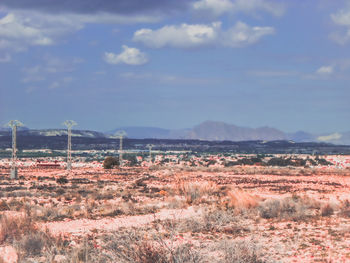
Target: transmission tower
{"x": 120, "y": 134}
{"x": 69, "y": 124}
{"x": 14, "y": 124}
{"x": 150, "y": 146}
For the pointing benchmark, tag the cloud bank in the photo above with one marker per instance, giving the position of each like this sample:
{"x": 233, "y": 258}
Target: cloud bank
{"x": 341, "y": 18}
{"x": 198, "y": 35}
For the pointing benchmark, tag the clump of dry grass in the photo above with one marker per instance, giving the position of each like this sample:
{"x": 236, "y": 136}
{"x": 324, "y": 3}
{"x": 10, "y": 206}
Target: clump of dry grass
{"x": 14, "y": 226}
{"x": 175, "y": 202}
{"x": 239, "y": 200}
{"x": 195, "y": 191}
{"x": 327, "y": 210}
{"x": 140, "y": 247}
{"x": 245, "y": 251}
{"x": 290, "y": 208}
{"x": 345, "y": 208}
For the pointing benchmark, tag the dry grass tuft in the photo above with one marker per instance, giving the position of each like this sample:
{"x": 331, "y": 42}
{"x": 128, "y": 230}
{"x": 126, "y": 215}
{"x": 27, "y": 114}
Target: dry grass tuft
{"x": 345, "y": 208}
{"x": 245, "y": 251}
{"x": 195, "y": 191}
{"x": 290, "y": 208}
{"x": 140, "y": 247}
{"x": 14, "y": 226}
{"x": 327, "y": 210}
{"x": 239, "y": 199}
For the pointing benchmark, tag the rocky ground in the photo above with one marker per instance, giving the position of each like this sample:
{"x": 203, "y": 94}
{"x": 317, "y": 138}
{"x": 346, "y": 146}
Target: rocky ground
{"x": 238, "y": 214}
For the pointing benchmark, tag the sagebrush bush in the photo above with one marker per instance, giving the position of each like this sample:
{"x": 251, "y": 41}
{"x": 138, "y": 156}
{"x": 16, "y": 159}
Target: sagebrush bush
{"x": 13, "y": 227}
{"x": 327, "y": 210}
{"x": 32, "y": 244}
{"x": 242, "y": 252}
{"x": 345, "y": 208}
{"x": 138, "y": 247}
{"x": 289, "y": 208}
{"x": 110, "y": 162}
{"x": 194, "y": 191}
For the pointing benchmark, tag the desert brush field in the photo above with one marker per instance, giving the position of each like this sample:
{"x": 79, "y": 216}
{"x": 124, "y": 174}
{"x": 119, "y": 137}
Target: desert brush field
{"x": 175, "y": 214}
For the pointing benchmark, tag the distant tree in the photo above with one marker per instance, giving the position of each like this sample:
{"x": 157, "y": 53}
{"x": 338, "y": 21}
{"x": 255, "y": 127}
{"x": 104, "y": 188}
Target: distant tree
{"x": 110, "y": 162}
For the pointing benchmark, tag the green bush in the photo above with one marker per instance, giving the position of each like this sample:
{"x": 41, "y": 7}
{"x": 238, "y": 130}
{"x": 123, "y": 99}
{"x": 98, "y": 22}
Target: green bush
{"x": 110, "y": 162}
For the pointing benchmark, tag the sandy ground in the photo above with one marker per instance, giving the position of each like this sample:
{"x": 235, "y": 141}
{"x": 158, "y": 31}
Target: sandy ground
{"x": 318, "y": 239}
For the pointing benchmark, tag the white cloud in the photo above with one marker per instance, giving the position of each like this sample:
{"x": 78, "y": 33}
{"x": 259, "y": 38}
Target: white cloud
{"x": 242, "y": 34}
{"x": 130, "y": 56}
{"x": 325, "y": 70}
{"x": 183, "y": 36}
{"x": 21, "y": 29}
{"x": 219, "y": 7}
{"x": 341, "y": 18}
{"x": 190, "y": 36}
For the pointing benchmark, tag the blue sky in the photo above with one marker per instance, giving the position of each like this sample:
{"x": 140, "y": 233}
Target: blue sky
{"x": 174, "y": 64}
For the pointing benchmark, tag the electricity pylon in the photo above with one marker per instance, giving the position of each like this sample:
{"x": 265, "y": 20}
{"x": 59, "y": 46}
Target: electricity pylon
{"x": 14, "y": 124}
{"x": 120, "y": 134}
{"x": 69, "y": 124}
{"x": 150, "y": 146}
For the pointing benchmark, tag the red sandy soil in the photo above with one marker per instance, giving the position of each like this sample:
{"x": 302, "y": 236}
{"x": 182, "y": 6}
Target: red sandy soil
{"x": 320, "y": 239}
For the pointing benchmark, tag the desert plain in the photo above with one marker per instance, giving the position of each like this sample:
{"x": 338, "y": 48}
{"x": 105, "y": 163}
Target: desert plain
{"x": 175, "y": 213}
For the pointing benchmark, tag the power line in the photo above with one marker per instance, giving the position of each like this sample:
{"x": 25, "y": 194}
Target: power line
{"x": 14, "y": 124}
{"x": 120, "y": 134}
{"x": 150, "y": 146}
{"x": 69, "y": 124}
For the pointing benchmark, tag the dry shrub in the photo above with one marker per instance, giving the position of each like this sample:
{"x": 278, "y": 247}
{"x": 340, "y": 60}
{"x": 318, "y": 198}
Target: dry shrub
{"x": 245, "y": 251}
{"x": 239, "y": 199}
{"x": 32, "y": 244}
{"x": 109, "y": 209}
{"x": 14, "y": 226}
{"x": 327, "y": 210}
{"x": 290, "y": 208}
{"x": 194, "y": 191}
{"x": 163, "y": 193}
{"x": 345, "y": 208}
{"x": 213, "y": 220}
{"x": 175, "y": 202}
{"x": 219, "y": 220}
{"x": 138, "y": 247}
{"x": 86, "y": 252}
{"x": 4, "y": 206}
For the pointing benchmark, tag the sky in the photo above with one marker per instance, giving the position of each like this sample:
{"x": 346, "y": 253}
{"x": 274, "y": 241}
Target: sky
{"x": 174, "y": 64}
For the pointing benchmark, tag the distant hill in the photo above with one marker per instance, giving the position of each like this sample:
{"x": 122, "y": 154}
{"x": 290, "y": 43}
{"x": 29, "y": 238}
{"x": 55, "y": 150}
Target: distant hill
{"x": 213, "y": 130}
{"x": 221, "y": 131}
{"x": 55, "y": 132}
{"x": 208, "y": 130}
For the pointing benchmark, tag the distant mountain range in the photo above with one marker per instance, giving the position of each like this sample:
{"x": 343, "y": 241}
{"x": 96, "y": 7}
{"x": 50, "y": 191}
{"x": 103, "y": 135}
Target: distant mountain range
{"x": 214, "y": 130}
{"x": 208, "y": 130}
